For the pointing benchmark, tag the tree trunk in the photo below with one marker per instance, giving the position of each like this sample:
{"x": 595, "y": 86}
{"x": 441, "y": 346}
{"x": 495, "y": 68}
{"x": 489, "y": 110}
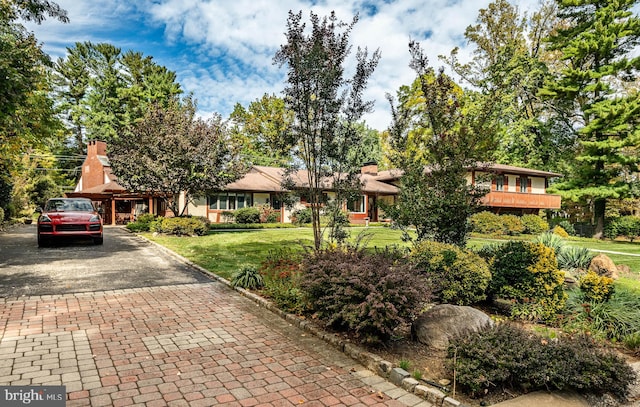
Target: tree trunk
{"x": 599, "y": 206}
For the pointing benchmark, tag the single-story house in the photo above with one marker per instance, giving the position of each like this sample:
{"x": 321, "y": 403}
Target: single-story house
{"x": 512, "y": 189}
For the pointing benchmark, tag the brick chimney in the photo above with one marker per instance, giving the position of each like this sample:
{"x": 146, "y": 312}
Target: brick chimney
{"x": 96, "y": 147}
{"x": 370, "y": 168}
{"x": 93, "y": 173}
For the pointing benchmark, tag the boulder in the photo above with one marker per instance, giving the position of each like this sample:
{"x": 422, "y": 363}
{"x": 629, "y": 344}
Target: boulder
{"x": 604, "y": 266}
{"x": 439, "y": 324}
{"x": 623, "y": 269}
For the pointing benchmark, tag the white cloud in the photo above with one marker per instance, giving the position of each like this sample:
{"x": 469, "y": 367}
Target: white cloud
{"x": 222, "y": 51}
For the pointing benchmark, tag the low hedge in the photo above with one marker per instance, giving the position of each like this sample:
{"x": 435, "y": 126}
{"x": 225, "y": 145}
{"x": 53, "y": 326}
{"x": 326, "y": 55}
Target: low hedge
{"x": 182, "y": 226}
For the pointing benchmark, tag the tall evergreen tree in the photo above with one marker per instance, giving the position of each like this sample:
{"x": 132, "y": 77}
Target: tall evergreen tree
{"x": 597, "y": 40}
{"x": 102, "y": 90}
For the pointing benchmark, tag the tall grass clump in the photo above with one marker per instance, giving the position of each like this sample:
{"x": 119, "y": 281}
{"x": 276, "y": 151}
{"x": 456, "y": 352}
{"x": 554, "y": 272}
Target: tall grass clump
{"x": 247, "y": 277}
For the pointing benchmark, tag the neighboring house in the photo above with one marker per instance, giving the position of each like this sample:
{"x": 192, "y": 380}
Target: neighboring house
{"x": 99, "y": 184}
{"x": 512, "y": 190}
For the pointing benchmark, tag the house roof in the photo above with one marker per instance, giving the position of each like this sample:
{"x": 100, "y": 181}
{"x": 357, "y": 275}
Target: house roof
{"x": 109, "y": 187}
{"x": 395, "y": 174}
{"x": 371, "y": 184}
{"x": 501, "y": 168}
{"x": 258, "y": 179}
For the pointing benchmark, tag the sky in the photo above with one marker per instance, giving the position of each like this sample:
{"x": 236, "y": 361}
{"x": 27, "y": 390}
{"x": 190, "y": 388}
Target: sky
{"x": 222, "y": 50}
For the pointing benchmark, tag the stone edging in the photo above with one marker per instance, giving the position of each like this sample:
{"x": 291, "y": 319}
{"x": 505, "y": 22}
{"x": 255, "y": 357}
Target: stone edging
{"x": 373, "y": 362}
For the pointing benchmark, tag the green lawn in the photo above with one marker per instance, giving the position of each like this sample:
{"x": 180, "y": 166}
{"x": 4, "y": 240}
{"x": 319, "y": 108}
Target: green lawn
{"x": 223, "y": 251}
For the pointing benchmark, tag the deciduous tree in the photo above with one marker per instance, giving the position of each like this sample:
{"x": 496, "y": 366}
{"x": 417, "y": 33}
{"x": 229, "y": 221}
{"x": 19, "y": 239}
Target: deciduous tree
{"x": 511, "y": 60}
{"x": 438, "y": 132}
{"x": 170, "y": 151}
{"x": 326, "y": 106}
{"x": 262, "y": 128}
{"x": 27, "y": 119}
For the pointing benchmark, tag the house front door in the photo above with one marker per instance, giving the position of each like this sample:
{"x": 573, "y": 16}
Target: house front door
{"x": 372, "y": 210}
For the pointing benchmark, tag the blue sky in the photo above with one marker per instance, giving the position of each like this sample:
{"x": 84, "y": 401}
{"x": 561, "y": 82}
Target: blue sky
{"x": 222, "y": 50}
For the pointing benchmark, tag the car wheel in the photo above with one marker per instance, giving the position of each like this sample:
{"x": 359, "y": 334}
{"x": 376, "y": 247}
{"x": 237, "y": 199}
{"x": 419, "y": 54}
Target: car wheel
{"x": 42, "y": 241}
{"x": 98, "y": 240}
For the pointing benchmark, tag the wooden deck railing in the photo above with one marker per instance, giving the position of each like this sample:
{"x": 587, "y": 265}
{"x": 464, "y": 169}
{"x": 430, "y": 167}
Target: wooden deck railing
{"x": 521, "y": 200}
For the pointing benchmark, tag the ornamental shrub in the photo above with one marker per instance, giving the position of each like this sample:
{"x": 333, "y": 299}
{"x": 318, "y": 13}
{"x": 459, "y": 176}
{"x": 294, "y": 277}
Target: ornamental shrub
{"x": 552, "y": 240}
{"x": 181, "y": 226}
{"x": 247, "y": 215}
{"x": 534, "y": 224}
{"x": 301, "y": 216}
{"x": 559, "y": 230}
{"x": 511, "y": 225}
{"x": 268, "y": 214}
{"x": 527, "y": 274}
{"x": 369, "y": 294}
{"x": 624, "y": 226}
{"x": 281, "y": 275}
{"x": 567, "y": 226}
{"x": 595, "y": 287}
{"x": 505, "y": 356}
{"x": 486, "y": 223}
{"x": 574, "y": 258}
{"x": 614, "y": 319}
{"x": 247, "y": 277}
{"x": 142, "y": 223}
{"x": 146, "y": 218}
{"x": 457, "y": 276}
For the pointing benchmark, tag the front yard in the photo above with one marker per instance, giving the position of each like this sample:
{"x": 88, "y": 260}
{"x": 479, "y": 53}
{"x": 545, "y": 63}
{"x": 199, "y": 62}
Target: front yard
{"x": 222, "y": 252}
{"x": 614, "y": 323}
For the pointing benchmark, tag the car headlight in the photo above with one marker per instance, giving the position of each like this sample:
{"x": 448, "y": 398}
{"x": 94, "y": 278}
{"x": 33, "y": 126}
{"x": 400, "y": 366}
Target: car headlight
{"x": 95, "y": 218}
{"x": 45, "y": 218}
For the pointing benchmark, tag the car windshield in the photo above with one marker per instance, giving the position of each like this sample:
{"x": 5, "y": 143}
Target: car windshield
{"x": 66, "y": 205}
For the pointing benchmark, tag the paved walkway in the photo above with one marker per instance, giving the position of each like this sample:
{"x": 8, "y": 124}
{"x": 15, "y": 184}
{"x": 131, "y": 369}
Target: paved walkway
{"x": 179, "y": 345}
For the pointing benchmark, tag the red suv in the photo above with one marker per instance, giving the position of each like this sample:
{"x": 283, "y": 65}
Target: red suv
{"x": 68, "y": 217}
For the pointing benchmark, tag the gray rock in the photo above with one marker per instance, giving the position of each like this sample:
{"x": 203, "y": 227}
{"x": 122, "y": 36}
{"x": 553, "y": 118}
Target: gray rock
{"x": 439, "y": 324}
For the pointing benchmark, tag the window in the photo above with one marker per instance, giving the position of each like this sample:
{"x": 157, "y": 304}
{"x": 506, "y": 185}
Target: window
{"x": 213, "y": 201}
{"x": 356, "y": 205}
{"x": 305, "y": 199}
{"x": 276, "y": 203}
{"x": 500, "y": 183}
{"x": 524, "y": 183}
{"x": 230, "y": 201}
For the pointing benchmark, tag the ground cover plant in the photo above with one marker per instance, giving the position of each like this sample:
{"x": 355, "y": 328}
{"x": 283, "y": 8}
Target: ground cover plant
{"x": 507, "y": 356}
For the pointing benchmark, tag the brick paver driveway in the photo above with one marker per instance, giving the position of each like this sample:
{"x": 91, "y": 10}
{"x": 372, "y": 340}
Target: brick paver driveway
{"x": 193, "y": 344}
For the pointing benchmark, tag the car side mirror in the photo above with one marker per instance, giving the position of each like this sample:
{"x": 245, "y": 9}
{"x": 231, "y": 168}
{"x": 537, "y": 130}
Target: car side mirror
{"x": 39, "y": 209}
